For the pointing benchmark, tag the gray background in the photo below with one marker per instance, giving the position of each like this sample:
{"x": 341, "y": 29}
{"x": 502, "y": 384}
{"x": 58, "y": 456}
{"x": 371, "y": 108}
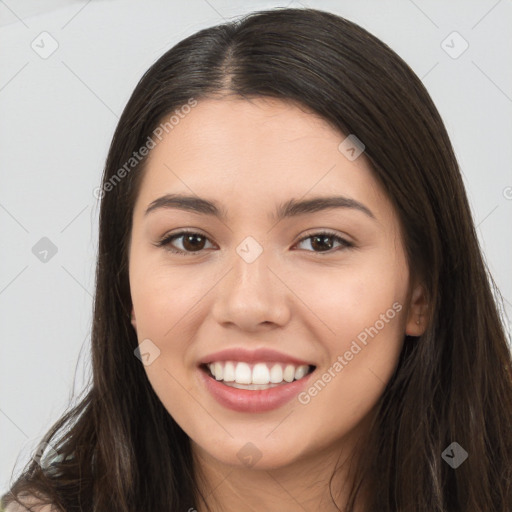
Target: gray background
{"x": 58, "y": 115}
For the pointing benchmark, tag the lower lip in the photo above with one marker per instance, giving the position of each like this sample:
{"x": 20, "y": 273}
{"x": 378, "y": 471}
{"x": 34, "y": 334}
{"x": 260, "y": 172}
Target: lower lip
{"x": 243, "y": 400}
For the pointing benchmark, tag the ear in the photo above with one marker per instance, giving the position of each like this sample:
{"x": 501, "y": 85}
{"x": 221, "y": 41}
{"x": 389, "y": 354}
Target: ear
{"x": 133, "y": 321}
{"x": 418, "y": 315}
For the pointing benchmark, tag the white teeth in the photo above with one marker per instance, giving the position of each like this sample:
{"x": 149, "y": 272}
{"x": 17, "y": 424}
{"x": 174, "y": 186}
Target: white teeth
{"x": 289, "y": 373}
{"x": 218, "y": 371}
{"x": 243, "y": 374}
{"x": 229, "y": 372}
{"x": 260, "y": 374}
{"x": 276, "y": 374}
{"x": 257, "y": 376}
{"x": 300, "y": 372}
{"x": 250, "y": 386}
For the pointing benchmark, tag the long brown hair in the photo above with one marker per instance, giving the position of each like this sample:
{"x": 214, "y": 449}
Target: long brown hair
{"x": 120, "y": 450}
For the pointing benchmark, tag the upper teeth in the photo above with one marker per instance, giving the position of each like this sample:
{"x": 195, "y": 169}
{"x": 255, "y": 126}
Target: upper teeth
{"x": 259, "y": 373}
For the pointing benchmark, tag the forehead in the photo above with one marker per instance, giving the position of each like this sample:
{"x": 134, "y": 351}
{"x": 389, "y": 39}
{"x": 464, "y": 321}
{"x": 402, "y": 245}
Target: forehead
{"x": 254, "y": 152}
{"x": 252, "y": 131}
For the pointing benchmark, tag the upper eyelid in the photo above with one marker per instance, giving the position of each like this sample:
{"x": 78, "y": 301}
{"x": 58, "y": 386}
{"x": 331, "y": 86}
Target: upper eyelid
{"x": 184, "y": 232}
{"x": 313, "y": 231}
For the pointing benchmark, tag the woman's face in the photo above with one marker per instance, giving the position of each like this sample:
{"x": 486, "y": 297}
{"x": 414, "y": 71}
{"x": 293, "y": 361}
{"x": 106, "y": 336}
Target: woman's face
{"x": 270, "y": 284}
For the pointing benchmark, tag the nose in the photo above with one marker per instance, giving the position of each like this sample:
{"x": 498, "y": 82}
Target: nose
{"x": 252, "y": 296}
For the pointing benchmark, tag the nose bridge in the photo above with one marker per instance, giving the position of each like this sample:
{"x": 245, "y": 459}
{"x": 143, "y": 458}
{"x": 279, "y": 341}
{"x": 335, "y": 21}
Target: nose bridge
{"x": 251, "y": 271}
{"x": 250, "y": 294}
{"x": 251, "y": 266}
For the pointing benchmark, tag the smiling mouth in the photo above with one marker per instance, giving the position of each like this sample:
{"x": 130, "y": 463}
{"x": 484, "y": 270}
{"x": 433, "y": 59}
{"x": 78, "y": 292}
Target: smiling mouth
{"x": 255, "y": 376}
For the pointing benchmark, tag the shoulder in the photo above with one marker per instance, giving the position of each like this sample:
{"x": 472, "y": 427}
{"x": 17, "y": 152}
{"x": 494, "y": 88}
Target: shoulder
{"x": 30, "y": 504}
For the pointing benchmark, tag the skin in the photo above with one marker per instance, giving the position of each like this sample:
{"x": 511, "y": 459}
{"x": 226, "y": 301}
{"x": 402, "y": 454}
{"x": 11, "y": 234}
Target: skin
{"x": 298, "y": 298}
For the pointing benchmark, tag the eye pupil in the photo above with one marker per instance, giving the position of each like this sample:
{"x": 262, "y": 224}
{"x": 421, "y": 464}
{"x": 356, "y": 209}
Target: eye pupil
{"x": 323, "y": 240}
{"x": 188, "y": 239}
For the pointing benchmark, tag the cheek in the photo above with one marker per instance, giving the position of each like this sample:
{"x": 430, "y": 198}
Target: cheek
{"x": 364, "y": 312}
{"x": 163, "y": 298}
{"x": 164, "y": 305}
{"x": 362, "y": 358}
{"x": 354, "y": 298}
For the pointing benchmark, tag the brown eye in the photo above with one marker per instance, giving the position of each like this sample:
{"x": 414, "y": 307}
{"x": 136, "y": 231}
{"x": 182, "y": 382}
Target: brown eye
{"x": 194, "y": 242}
{"x": 324, "y": 242}
{"x": 191, "y": 242}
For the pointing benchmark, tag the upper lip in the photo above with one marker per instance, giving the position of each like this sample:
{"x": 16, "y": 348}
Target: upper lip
{"x": 263, "y": 355}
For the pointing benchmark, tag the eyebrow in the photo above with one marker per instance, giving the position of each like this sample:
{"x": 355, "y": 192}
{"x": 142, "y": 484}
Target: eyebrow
{"x": 291, "y": 208}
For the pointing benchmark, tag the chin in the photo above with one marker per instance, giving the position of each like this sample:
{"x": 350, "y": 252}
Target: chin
{"x": 253, "y": 452}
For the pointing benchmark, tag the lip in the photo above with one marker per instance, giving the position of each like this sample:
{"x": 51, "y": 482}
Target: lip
{"x": 261, "y": 355}
{"x": 252, "y": 401}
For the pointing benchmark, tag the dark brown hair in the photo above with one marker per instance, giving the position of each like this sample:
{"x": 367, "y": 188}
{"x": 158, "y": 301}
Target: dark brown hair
{"x": 120, "y": 450}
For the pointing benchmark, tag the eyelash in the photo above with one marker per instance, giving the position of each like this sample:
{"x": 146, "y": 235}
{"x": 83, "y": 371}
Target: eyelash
{"x": 166, "y": 241}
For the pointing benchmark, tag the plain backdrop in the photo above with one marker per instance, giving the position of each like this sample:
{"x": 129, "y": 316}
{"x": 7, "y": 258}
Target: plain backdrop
{"x": 58, "y": 112}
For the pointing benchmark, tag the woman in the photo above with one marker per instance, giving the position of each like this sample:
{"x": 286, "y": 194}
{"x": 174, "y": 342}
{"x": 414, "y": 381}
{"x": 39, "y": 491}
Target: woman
{"x": 292, "y": 311}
